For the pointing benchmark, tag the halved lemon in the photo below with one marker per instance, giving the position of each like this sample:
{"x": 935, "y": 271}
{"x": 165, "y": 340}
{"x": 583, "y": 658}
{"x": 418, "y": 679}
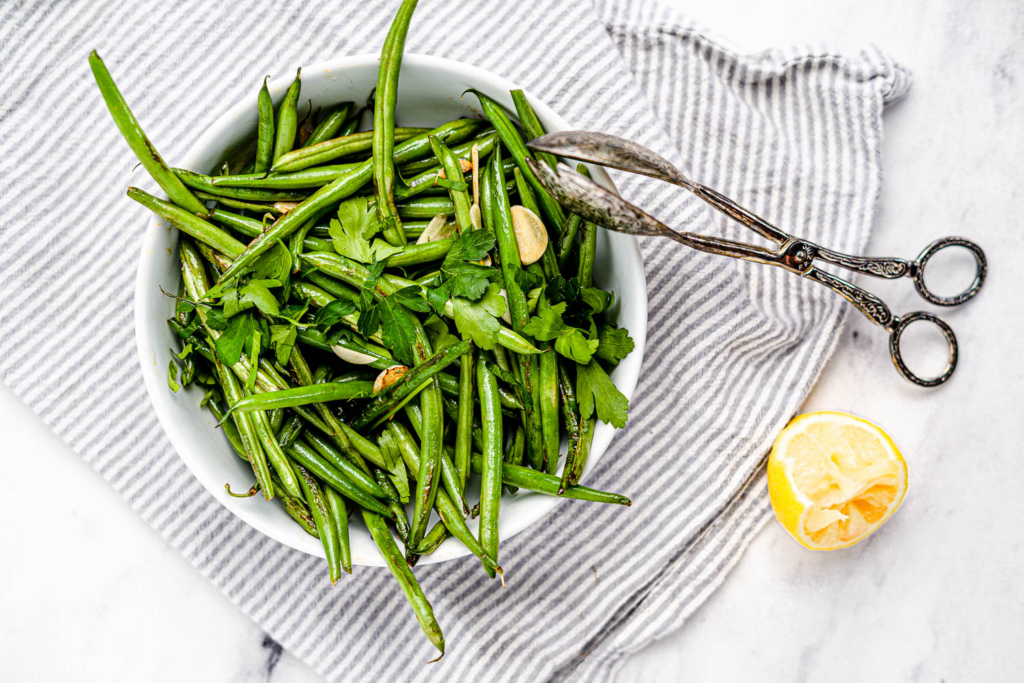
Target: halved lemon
{"x": 834, "y": 478}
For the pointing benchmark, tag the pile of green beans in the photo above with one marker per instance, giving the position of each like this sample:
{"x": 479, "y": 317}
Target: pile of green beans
{"x": 370, "y": 382}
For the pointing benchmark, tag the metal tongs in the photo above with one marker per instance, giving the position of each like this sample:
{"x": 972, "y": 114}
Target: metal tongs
{"x": 598, "y": 205}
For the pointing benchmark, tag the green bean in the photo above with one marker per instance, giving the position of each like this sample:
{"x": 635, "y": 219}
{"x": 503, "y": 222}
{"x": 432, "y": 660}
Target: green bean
{"x": 318, "y": 505}
{"x": 415, "y": 254}
{"x": 511, "y": 266}
{"x": 274, "y": 454}
{"x": 265, "y": 130}
{"x": 424, "y": 207}
{"x": 310, "y": 177}
{"x": 565, "y": 242}
{"x": 332, "y": 286}
{"x": 298, "y": 511}
{"x": 449, "y": 475}
{"x": 356, "y": 475}
{"x": 514, "y": 453}
{"x": 367, "y": 448}
{"x": 487, "y": 139}
{"x": 240, "y": 204}
{"x": 541, "y": 482}
{"x": 139, "y": 143}
{"x": 384, "y": 126}
{"x": 395, "y": 503}
{"x": 308, "y": 458}
{"x": 189, "y": 224}
{"x": 409, "y": 382}
{"x": 302, "y": 396}
{"x": 531, "y": 125}
{"x": 351, "y": 124}
{"x": 549, "y": 417}
{"x": 453, "y": 173}
{"x": 290, "y": 430}
{"x": 332, "y": 426}
{"x": 571, "y": 228}
{"x": 329, "y": 150}
{"x": 551, "y": 209}
{"x": 433, "y": 539}
{"x": 206, "y": 184}
{"x": 339, "y": 521}
{"x": 250, "y": 440}
{"x": 406, "y": 580}
{"x": 345, "y": 185}
{"x": 275, "y": 417}
{"x": 464, "y": 423}
{"x": 287, "y": 119}
{"x": 583, "y": 449}
{"x": 330, "y": 125}
{"x": 453, "y": 517}
{"x": 571, "y": 416}
{"x": 451, "y": 386}
{"x": 490, "y": 484}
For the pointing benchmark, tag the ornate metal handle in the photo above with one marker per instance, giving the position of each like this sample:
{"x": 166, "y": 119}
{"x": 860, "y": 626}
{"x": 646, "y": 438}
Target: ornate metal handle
{"x": 980, "y": 263}
{"x": 899, "y": 325}
{"x": 889, "y": 268}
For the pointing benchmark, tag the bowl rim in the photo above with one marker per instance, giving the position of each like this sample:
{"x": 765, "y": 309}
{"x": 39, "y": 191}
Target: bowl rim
{"x": 161, "y": 398}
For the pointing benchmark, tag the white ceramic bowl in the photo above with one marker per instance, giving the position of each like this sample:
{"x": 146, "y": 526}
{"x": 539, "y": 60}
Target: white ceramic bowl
{"x": 429, "y": 95}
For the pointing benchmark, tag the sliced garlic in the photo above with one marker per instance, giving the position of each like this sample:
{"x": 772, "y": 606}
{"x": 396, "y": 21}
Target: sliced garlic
{"x": 531, "y": 235}
{"x": 507, "y": 315}
{"x": 474, "y": 216}
{"x": 284, "y": 207}
{"x": 388, "y": 377}
{"x": 353, "y": 357}
{"x": 474, "y": 155}
{"x": 463, "y": 164}
{"x": 437, "y": 229}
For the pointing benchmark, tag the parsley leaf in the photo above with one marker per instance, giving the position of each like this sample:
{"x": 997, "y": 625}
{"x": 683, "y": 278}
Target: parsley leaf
{"x": 615, "y": 344}
{"x": 596, "y": 391}
{"x": 282, "y": 337}
{"x": 461, "y": 274}
{"x": 332, "y": 313}
{"x": 598, "y": 299}
{"x": 256, "y": 293}
{"x": 230, "y": 343}
{"x": 548, "y": 324}
{"x": 352, "y": 231}
{"x": 412, "y": 298}
{"x": 172, "y": 376}
{"x": 472, "y": 246}
{"x": 275, "y": 264}
{"x": 574, "y": 345}
{"x": 477, "y": 320}
{"x": 398, "y": 332}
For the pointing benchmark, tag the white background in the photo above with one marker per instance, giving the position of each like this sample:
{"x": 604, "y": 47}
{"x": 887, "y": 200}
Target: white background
{"x": 89, "y": 592}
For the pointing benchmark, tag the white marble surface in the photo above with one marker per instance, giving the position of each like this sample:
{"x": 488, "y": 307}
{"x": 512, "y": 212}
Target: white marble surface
{"x": 89, "y": 592}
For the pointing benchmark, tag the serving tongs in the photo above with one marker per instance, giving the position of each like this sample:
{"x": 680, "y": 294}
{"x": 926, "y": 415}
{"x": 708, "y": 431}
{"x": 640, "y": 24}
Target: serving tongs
{"x": 598, "y": 205}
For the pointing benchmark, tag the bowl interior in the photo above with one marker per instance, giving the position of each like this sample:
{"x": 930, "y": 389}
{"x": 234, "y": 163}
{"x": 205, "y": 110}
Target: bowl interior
{"x": 429, "y": 95}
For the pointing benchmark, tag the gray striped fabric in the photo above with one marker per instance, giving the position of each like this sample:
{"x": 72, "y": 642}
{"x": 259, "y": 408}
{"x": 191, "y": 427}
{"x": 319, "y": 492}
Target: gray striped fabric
{"x": 732, "y": 348}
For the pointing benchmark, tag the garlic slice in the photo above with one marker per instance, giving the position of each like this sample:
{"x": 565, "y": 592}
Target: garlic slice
{"x": 474, "y": 155}
{"x": 531, "y": 235}
{"x": 353, "y": 357}
{"x": 507, "y": 315}
{"x": 437, "y": 229}
{"x": 285, "y": 207}
{"x": 388, "y": 377}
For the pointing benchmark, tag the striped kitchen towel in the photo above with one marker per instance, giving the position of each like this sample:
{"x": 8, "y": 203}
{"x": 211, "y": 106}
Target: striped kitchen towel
{"x": 733, "y": 348}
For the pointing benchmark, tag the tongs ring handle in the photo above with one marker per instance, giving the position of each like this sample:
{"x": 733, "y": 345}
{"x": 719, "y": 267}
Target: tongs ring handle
{"x": 896, "y": 330}
{"x": 980, "y": 263}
